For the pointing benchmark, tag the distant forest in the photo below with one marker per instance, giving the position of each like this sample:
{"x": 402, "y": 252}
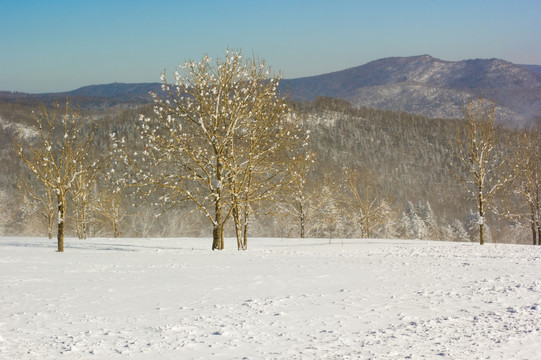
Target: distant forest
{"x": 407, "y": 159}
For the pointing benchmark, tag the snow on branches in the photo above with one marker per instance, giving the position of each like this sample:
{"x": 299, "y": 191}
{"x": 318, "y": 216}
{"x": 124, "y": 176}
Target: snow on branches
{"x": 219, "y": 137}
{"x": 478, "y": 153}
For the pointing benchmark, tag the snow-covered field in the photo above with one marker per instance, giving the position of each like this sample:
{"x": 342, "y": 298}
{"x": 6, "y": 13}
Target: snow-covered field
{"x": 281, "y": 299}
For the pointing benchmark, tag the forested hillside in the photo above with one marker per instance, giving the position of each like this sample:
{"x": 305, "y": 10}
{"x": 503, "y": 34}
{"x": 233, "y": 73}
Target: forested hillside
{"x": 407, "y": 160}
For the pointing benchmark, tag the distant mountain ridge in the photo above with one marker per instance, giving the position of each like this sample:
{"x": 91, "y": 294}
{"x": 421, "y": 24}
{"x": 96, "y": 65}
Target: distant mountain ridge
{"x": 429, "y": 86}
{"x": 418, "y": 84}
{"x": 532, "y": 68}
{"x": 114, "y": 90}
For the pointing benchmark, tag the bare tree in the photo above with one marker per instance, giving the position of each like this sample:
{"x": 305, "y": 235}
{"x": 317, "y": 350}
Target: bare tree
{"x": 110, "y": 210}
{"x": 203, "y": 122}
{"x": 261, "y": 159}
{"x": 480, "y": 159}
{"x": 301, "y": 202}
{"x": 38, "y": 199}
{"x": 144, "y": 221}
{"x": 363, "y": 202}
{"x": 55, "y": 156}
{"x": 524, "y": 193}
{"x": 328, "y": 214}
{"x": 83, "y": 186}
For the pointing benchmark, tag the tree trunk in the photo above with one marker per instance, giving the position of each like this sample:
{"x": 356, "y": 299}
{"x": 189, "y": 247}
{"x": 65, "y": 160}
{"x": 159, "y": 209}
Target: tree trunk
{"x": 60, "y": 234}
{"x": 115, "y": 229}
{"x": 218, "y": 229}
{"x": 218, "y": 226}
{"x": 534, "y": 232}
{"x": 365, "y": 224}
{"x": 245, "y": 243}
{"x": 83, "y": 222}
{"x": 302, "y": 216}
{"x": 218, "y": 237}
{"x": 238, "y": 230}
{"x": 50, "y": 220}
{"x": 481, "y": 234}
{"x": 215, "y": 238}
{"x": 78, "y": 221}
{"x": 246, "y": 215}
{"x": 481, "y": 216}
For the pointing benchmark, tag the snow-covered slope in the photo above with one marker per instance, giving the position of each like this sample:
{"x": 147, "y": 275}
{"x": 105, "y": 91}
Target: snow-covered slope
{"x": 283, "y": 299}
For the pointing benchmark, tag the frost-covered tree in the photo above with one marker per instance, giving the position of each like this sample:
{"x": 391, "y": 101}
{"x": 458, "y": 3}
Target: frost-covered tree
{"x": 418, "y": 228}
{"x": 419, "y": 222}
{"x": 407, "y": 221}
{"x": 204, "y": 142}
{"x": 56, "y": 154}
{"x": 455, "y": 231}
{"x": 459, "y": 231}
{"x": 389, "y": 228}
{"x": 479, "y": 158}
{"x": 427, "y": 216}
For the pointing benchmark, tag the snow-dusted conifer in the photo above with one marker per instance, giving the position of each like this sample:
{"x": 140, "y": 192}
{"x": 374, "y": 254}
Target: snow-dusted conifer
{"x": 459, "y": 231}
{"x": 427, "y": 215}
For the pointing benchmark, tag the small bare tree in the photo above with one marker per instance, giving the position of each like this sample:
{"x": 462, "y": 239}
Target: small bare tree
{"x": 38, "y": 199}
{"x": 363, "y": 202}
{"x": 55, "y": 156}
{"x": 301, "y": 202}
{"x": 479, "y": 157}
{"x": 328, "y": 215}
{"x": 83, "y": 186}
{"x": 110, "y": 210}
{"x": 524, "y": 193}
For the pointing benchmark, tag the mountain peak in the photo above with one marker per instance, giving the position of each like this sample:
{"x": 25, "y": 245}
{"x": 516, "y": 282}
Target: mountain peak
{"x": 429, "y": 86}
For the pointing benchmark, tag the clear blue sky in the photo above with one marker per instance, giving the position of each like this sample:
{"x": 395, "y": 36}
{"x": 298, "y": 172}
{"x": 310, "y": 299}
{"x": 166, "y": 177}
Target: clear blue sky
{"x": 57, "y": 45}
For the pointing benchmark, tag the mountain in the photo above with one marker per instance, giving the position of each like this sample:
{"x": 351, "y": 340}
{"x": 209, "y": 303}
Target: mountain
{"x": 137, "y": 91}
{"x": 533, "y": 68}
{"x": 429, "y": 86}
{"x": 90, "y": 97}
{"x": 419, "y": 84}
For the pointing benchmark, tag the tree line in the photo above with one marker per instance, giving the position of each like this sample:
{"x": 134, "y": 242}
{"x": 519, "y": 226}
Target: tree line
{"x": 221, "y": 146}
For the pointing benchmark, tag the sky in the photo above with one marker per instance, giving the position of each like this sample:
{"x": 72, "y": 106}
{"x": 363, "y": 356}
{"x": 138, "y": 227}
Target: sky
{"x": 58, "y": 45}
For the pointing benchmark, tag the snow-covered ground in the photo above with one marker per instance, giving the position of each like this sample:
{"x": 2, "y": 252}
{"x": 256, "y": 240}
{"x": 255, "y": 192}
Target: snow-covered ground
{"x": 281, "y": 299}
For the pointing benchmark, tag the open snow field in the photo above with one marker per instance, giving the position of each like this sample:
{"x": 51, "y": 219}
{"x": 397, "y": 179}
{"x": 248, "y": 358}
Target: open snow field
{"x": 281, "y": 299}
